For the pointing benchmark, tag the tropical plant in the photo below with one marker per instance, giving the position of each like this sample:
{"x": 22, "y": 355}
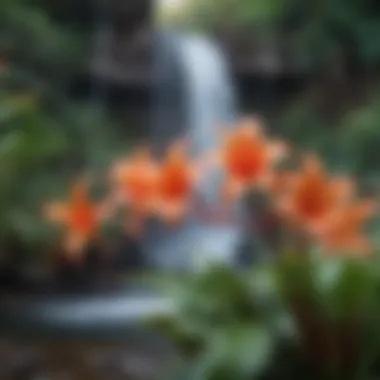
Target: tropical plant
{"x": 301, "y": 315}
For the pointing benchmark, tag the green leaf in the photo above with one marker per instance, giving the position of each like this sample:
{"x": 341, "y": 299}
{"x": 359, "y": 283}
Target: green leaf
{"x": 294, "y": 275}
{"x": 337, "y": 287}
{"x": 369, "y": 47}
{"x": 244, "y": 350}
{"x": 265, "y": 292}
{"x": 187, "y": 341}
{"x": 355, "y": 287}
{"x": 217, "y": 296}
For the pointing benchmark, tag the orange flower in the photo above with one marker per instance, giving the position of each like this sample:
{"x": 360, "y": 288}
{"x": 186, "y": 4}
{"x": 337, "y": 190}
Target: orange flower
{"x": 311, "y": 198}
{"x": 248, "y": 157}
{"x": 136, "y": 181}
{"x": 177, "y": 179}
{"x": 80, "y": 217}
{"x": 344, "y": 233}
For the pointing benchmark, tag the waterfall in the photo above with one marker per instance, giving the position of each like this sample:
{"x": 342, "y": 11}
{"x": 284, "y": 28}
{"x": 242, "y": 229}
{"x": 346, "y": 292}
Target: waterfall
{"x": 194, "y": 97}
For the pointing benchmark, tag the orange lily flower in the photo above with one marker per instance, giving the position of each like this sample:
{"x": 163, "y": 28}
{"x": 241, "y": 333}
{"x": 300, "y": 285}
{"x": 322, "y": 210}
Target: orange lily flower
{"x": 80, "y": 217}
{"x": 311, "y": 198}
{"x": 177, "y": 178}
{"x": 344, "y": 233}
{"x": 248, "y": 158}
{"x": 136, "y": 181}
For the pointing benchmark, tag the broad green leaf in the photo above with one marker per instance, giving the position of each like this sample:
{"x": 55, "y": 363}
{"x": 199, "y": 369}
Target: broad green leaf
{"x": 245, "y": 350}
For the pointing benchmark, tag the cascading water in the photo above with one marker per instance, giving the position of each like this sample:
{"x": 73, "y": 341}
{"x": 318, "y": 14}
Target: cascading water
{"x": 195, "y": 97}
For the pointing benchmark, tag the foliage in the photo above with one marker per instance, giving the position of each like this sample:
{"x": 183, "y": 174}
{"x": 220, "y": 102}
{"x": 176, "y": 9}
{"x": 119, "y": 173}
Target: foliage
{"x": 219, "y": 326}
{"x": 360, "y": 137}
{"x": 318, "y": 313}
{"x": 39, "y": 47}
{"x": 25, "y": 161}
{"x": 318, "y": 31}
{"x": 211, "y": 13}
{"x": 350, "y": 142}
{"x": 44, "y": 130}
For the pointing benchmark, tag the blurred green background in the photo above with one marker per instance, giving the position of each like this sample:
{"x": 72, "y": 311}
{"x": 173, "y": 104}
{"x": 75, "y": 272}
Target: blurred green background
{"x": 54, "y": 123}
{"x": 324, "y": 97}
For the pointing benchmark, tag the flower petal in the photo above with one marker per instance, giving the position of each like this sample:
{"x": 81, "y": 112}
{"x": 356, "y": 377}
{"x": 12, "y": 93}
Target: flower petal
{"x": 107, "y": 208}
{"x": 74, "y": 246}
{"x": 364, "y": 210}
{"x": 313, "y": 165}
{"x": 251, "y": 123}
{"x": 357, "y": 245}
{"x": 322, "y": 226}
{"x": 172, "y": 213}
{"x": 279, "y": 184}
{"x": 119, "y": 170}
{"x": 197, "y": 174}
{"x": 278, "y": 150}
{"x": 343, "y": 189}
{"x": 57, "y": 212}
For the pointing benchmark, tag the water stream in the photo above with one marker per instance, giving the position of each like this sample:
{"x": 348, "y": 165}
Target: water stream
{"x": 194, "y": 97}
